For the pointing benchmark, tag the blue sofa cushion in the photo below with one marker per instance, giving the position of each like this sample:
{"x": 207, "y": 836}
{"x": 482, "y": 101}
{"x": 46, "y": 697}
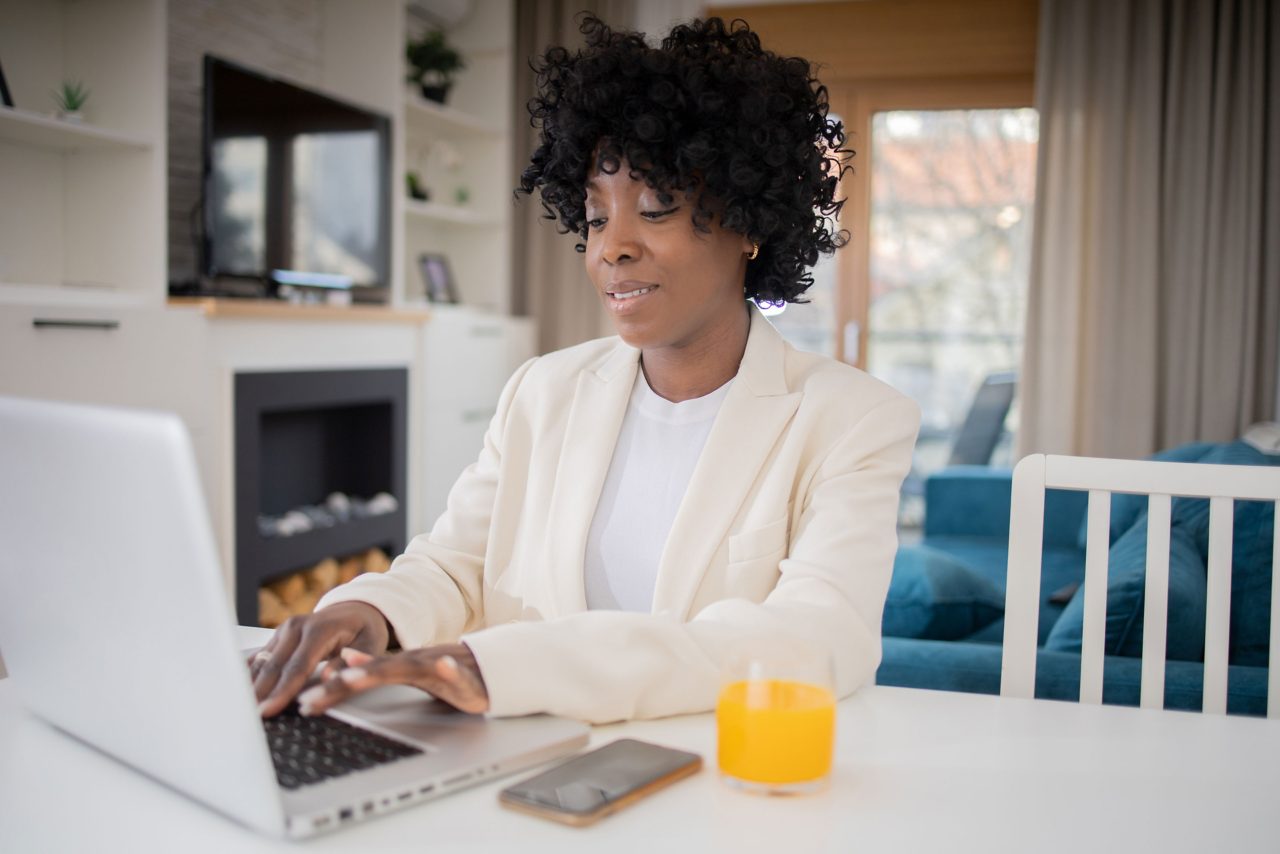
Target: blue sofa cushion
{"x": 975, "y": 668}
{"x": 933, "y": 595}
{"x": 1127, "y": 574}
{"x": 1251, "y": 568}
{"x": 1127, "y": 508}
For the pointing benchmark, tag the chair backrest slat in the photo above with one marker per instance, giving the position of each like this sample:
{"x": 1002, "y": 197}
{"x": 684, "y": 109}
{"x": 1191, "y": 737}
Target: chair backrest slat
{"x": 1243, "y": 483}
{"x": 1022, "y": 581}
{"x": 1155, "y": 613}
{"x": 1161, "y": 481}
{"x": 1217, "y": 622}
{"x": 1094, "y": 637}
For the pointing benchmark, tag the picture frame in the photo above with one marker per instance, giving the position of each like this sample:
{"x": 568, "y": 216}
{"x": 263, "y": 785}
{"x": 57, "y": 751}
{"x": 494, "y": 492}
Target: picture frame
{"x": 437, "y": 278}
{"x": 6, "y": 99}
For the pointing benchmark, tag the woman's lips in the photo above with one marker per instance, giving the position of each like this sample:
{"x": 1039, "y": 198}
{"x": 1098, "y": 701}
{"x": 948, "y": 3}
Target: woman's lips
{"x": 626, "y": 297}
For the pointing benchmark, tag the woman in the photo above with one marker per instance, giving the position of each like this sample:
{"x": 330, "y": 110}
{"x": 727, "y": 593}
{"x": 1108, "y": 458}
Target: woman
{"x": 646, "y": 504}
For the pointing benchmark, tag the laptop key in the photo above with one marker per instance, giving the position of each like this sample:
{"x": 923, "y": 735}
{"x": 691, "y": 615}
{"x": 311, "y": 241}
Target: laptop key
{"x": 308, "y": 750}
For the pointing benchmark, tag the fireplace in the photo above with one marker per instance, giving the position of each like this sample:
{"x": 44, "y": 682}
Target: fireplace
{"x": 320, "y": 472}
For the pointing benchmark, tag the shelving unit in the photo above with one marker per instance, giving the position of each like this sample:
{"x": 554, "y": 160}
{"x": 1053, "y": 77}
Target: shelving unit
{"x": 46, "y": 133}
{"x": 84, "y": 215}
{"x": 66, "y": 184}
{"x": 461, "y": 152}
{"x": 450, "y": 214}
{"x": 423, "y": 116}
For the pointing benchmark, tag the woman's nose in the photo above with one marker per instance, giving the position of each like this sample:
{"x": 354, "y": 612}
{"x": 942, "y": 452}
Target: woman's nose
{"x": 621, "y": 243}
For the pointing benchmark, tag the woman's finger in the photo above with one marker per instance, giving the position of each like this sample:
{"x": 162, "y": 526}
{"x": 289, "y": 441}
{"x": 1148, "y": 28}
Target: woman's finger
{"x": 344, "y": 684}
{"x": 316, "y": 643}
{"x": 282, "y": 645}
{"x": 438, "y": 672}
{"x": 332, "y": 667}
{"x": 255, "y": 661}
{"x": 355, "y": 657}
{"x": 433, "y": 670}
{"x": 462, "y": 688}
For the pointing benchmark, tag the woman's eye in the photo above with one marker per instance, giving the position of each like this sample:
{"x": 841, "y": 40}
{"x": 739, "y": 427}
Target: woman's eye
{"x": 596, "y": 223}
{"x": 659, "y": 214}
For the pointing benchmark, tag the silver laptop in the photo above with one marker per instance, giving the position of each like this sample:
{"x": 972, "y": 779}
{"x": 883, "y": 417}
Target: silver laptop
{"x": 116, "y": 628}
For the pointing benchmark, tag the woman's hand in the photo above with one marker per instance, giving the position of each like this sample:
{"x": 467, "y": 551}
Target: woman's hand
{"x": 281, "y": 668}
{"x": 448, "y": 672}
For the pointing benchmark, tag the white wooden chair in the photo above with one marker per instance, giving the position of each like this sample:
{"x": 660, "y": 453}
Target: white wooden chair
{"x": 1221, "y": 484}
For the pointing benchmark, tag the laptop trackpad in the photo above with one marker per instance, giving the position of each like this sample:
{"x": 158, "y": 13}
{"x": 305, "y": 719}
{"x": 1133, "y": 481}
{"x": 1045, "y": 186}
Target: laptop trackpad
{"x": 414, "y": 715}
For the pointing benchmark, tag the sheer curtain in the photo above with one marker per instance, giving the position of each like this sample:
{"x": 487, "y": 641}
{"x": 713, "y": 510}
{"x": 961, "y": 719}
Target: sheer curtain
{"x": 1154, "y": 305}
{"x": 550, "y": 282}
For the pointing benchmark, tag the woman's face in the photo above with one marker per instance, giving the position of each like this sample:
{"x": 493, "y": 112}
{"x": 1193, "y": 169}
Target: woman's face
{"x": 664, "y": 283}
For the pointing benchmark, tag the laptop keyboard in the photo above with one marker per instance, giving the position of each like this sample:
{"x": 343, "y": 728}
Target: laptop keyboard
{"x": 308, "y": 750}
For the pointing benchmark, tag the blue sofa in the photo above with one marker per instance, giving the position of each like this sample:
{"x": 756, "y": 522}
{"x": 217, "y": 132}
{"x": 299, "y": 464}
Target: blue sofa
{"x": 943, "y": 622}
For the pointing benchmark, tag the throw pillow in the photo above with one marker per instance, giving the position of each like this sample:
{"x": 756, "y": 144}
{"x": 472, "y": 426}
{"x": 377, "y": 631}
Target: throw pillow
{"x": 934, "y": 596}
{"x": 1126, "y": 597}
{"x": 1126, "y": 508}
{"x": 1252, "y": 531}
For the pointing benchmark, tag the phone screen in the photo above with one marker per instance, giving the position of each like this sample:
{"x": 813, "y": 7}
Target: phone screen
{"x": 595, "y": 780}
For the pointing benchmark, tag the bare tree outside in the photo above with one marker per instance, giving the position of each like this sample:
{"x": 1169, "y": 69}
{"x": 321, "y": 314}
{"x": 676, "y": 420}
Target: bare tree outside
{"x": 952, "y": 202}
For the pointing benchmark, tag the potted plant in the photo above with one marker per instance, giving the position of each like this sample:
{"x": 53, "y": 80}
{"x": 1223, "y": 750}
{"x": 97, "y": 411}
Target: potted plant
{"x": 70, "y": 98}
{"x": 433, "y": 63}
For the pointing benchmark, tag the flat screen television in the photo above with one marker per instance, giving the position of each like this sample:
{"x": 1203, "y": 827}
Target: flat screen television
{"x": 296, "y": 185}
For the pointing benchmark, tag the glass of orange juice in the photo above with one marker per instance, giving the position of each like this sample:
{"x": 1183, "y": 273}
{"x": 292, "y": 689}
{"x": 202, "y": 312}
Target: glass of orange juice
{"x": 776, "y": 721}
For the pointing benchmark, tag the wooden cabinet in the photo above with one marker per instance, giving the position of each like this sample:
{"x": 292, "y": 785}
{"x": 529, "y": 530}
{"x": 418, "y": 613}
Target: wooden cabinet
{"x": 146, "y": 357}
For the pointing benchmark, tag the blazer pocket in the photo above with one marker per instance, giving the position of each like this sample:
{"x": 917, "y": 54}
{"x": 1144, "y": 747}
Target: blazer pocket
{"x": 758, "y": 543}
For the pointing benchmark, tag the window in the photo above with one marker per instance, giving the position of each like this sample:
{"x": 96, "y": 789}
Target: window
{"x": 952, "y": 195}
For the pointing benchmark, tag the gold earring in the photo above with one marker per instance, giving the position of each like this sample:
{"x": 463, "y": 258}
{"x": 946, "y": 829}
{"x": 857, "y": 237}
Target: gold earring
{"x": 755, "y": 251}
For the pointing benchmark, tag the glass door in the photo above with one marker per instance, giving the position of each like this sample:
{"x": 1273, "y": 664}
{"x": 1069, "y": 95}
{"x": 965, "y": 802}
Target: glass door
{"x": 951, "y": 209}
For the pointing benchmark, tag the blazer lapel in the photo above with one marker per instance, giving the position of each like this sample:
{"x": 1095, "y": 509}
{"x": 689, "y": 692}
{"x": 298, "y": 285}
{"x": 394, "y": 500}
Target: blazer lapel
{"x": 595, "y": 419}
{"x": 753, "y": 415}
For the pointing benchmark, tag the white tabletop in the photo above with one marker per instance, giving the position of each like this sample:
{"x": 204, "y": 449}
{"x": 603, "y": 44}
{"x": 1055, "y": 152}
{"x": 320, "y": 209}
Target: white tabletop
{"x": 915, "y": 771}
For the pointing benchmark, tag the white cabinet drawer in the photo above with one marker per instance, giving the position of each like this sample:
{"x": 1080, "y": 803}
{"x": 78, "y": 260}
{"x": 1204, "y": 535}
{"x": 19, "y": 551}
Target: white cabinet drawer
{"x": 145, "y": 357}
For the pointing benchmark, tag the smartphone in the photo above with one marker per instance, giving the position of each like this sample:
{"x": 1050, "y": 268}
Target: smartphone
{"x": 602, "y": 781}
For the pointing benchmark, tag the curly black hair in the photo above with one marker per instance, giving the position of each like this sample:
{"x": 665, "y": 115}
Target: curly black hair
{"x": 709, "y": 113}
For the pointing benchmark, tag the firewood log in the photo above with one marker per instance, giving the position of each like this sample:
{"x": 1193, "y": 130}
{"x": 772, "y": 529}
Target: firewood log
{"x": 289, "y": 588}
{"x": 322, "y": 577}
{"x": 271, "y": 611}
{"x": 376, "y": 560}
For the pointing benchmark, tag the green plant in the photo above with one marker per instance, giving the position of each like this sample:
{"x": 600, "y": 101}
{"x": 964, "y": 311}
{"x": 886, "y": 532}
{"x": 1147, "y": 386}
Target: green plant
{"x": 433, "y": 61}
{"x": 70, "y": 96}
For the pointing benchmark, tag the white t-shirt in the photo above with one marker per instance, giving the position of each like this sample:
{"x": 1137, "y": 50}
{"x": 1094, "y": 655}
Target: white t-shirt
{"x": 657, "y": 449}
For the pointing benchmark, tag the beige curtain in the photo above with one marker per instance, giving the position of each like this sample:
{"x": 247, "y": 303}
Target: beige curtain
{"x": 550, "y": 282}
{"x": 1154, "y": 305}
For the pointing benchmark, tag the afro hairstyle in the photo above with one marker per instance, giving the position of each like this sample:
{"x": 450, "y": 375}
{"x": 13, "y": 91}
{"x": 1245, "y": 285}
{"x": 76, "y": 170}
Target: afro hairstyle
{"x": 711, "y": 114}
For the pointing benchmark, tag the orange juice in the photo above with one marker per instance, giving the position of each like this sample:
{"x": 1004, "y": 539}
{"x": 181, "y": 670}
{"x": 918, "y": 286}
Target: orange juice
{"x": 776, "y": 731}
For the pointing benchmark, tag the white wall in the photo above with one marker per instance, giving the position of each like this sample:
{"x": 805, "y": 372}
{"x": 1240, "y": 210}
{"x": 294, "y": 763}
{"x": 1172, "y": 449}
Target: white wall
{"x": 655, "y": 18}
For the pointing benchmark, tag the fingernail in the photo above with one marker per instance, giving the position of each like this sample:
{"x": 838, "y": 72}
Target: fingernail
{"x": 262, "y": 708}
{"x": 306, "y": 710}
{"x": 352, "y": 674}
{"x": 449, "y": 661}
{"x": 353, "y": 656}
{"x": 311, "y": 695}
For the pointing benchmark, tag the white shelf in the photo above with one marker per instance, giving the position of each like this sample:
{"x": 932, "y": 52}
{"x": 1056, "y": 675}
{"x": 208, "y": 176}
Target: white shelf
{"x": 453, "y": 214}
{"x": 50, "y": 134}
{"x": 432, "y": 119}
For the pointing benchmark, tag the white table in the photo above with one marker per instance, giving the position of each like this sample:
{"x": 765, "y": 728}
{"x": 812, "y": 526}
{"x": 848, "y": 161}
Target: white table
{"x": 916, "y": 771}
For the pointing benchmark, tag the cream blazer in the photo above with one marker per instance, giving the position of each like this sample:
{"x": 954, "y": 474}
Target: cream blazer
{"x": 786, "y": 533}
